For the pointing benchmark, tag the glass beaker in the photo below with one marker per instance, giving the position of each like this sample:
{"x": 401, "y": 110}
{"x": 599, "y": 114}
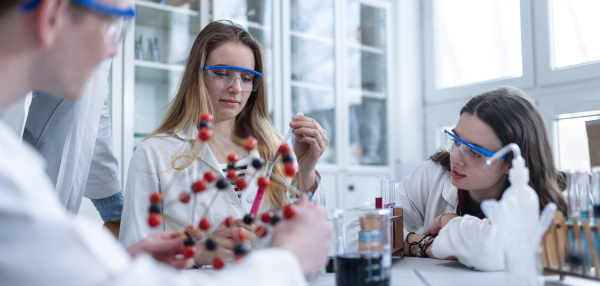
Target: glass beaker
{"x": 362, "y": 247}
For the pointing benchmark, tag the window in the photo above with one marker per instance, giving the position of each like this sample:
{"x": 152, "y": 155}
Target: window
{"x": 474, "y": 45}
{"x": 567, "y": 42}
{"x": 574, "y": 28}
{"x": 478, "y": 43}
{"x": 572, "y": 138}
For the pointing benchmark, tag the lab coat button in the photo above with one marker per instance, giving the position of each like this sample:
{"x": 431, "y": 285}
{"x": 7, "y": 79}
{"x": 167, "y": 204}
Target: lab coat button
{"x": 250, "y": 199}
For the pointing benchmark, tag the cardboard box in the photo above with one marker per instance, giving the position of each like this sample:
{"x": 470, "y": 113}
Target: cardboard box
{"x": 593, "y": 133}
{"x": 370, "y": 235}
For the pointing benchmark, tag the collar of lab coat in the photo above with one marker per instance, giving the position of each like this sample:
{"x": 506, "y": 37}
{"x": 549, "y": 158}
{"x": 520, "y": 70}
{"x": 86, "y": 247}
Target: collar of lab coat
{"x": 182, "y": 134}
{"x": 449, "y": 192}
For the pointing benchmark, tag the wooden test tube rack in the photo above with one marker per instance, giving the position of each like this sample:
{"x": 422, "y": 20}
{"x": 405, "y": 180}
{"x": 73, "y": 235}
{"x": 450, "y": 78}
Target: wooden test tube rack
{"x": 556, "y": 245}
{"x": 398, "y": 225}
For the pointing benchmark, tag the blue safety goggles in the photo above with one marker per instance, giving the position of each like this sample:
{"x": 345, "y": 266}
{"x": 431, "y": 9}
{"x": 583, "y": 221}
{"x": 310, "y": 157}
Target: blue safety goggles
{"x": 256, "y": 74}
{"x": 120, "y": 18}
{"x": 458, "y": 141}
{"x": 90, "y": 4}
{"x": 225, "y": 76}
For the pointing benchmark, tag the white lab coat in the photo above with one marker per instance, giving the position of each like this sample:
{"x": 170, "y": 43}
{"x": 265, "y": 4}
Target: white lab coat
{"x": 150, "y": 170}
{"x": 75, "y": 139}
{"x": 427, "y": 193}
{"x": 43, "y": 245}
{"x": 16, "y": 114}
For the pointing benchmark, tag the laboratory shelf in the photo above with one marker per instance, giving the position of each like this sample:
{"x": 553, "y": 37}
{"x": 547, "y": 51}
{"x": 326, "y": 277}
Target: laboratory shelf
{"x": 158, "y": 66}
{"x": 308, "y": 36}
{"x": 160, "y": 16}
{"x": 183, "y": 10}
{"x": 366, "y": 48}
{"x": 302, "y": 84}
{"x": 367, "y": 93}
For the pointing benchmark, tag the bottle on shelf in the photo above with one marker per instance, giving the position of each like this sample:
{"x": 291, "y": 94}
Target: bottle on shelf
{"x": 155, "y": 53}
{"x": 139, "y": 50}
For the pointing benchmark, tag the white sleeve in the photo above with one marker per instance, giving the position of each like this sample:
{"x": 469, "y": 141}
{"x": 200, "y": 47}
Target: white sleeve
{"x": 142, "y": 180}
{"x": 42, "y": 245}
{"x": 411, "y": 195}
{"x": 272, "y": 266}
{"x": 261, "y": 267}
{"x": 103, "y": 178}
{"x": 473, "y": 241}
{"x": 318, "y": 197}
{"x": 421, "y": 196}
{"x": 16, "y": 114}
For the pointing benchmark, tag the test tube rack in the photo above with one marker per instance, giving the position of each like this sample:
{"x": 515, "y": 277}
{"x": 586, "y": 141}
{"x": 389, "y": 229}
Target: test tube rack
{"x": 556, "y": 245}
{"x": 397, "y": 223}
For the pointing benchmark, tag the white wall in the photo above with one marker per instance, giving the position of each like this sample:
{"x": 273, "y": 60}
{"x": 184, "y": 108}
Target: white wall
{"x": 408, "y": 100}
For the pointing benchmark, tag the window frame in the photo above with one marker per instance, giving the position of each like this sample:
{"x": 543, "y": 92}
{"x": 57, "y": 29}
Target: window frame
{"x": 546, "y": 75}
{"x": 434, "y": 95}
{"x": 564, "y": 101}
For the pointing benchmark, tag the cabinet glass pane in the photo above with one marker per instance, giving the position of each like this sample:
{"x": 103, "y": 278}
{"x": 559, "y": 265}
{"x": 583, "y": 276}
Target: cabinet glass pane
{"x": 312, "y": 62}
{"x": 367, "y": 84}
{"x": 256, "y": 16}
{"x": 574, "y": 32}
{"x": 164, "y": 36}
{"x": 313, "y": 17}
{"x": 318, "y": 104}
{"x": 312, "y": 65}
{"x": 154, "y": 90}
{"x": 193, "y": 5}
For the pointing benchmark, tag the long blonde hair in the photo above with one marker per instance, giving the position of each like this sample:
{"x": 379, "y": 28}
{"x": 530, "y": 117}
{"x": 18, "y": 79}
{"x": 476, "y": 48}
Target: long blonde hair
{"x": 192, "y": 100}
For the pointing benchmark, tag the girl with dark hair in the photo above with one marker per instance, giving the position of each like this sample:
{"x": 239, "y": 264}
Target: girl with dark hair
{"x": 443, "y": 195}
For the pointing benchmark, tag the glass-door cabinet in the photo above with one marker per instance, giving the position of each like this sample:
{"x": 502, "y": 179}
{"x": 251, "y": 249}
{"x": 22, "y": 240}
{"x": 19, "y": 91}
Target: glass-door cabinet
{"x": 326, "y": 58}
{"x": 367, "y": 84}
{"x": 310, "y": 69}
{"x": 335, "y": 67}
{"x": 155, "y": 53}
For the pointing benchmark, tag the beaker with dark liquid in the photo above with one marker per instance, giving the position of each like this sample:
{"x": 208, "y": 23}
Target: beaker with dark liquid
{"x": 362, "y": 248}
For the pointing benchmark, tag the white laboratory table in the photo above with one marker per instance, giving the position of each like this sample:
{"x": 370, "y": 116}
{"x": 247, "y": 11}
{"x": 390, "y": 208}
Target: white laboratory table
{"x": 437, "y": 272}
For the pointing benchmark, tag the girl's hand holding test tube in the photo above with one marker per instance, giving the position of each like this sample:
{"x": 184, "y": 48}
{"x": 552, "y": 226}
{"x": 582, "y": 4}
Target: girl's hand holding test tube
{"x": 310, "y": 143}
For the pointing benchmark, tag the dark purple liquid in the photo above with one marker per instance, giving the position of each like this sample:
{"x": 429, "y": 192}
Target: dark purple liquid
{"x": 361, "y": 270}
{"x": 329, "y": 267}
{"x": 596, "y": 211}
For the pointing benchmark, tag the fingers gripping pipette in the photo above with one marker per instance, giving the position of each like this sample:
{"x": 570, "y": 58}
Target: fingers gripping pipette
{"x": 261, "y": 191}
{"x": 285, "y": 139}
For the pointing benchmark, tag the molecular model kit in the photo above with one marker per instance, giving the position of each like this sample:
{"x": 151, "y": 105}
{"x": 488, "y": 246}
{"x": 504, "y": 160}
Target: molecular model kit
{"x": 197, "y": 234}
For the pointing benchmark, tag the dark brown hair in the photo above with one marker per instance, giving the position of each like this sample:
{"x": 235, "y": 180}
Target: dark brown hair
{"x": 515, "y": 119}
{"x": 7, "y": 5}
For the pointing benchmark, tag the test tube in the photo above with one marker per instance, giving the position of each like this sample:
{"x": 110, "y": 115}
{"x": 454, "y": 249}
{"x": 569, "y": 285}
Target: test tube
{"x": 585, "y": 208}
{"x": 378, "y": 193}
{"x": 595, "y": 193}
{"x": 389, "y": 204}
{"x": 574, "y": 255}
{"x": 393, "y": 191}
